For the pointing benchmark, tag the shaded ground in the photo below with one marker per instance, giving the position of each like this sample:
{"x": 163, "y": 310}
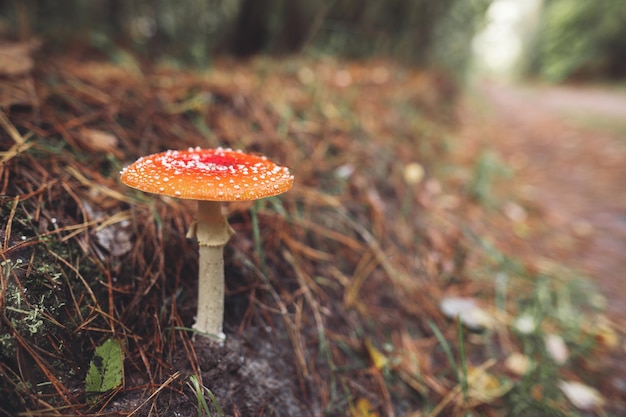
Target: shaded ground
{"x": 334, "y": 290}
{"x": 569, "y": 158}
{"x": 318, "y": 281}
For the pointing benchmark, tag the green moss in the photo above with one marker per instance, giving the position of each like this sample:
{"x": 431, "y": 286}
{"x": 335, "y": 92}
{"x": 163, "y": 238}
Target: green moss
{"x": 45, "y": 300}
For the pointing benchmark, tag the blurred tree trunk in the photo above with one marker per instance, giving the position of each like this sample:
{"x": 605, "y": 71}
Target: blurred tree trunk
{"x": 252, "y": 31}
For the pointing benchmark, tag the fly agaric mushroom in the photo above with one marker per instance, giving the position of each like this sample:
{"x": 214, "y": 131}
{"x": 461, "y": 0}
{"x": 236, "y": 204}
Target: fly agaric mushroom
{"x": 209, "y": 176}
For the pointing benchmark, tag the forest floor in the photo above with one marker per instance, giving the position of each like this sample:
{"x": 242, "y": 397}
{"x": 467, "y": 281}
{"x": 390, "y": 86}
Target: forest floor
{"x": 568, "y": 147}
{"x": 412, "y": 207}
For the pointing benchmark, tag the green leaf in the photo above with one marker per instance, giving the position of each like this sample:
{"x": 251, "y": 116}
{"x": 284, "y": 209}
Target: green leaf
{"x": 107, "y": 367}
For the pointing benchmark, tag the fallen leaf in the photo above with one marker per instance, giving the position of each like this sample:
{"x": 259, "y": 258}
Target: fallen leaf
{"x": 379, "y": 360}
{"x": 107, "y": 367}
{"x": 16, "y": 57}
{"x": 525, "y": 324}
{"x": 468, "y": 311}
{"x": 364, "y": 408}
{"x": 518, "y": 364}
{"x": 98, "y": 140}
{"x": 602, "y": 332}
{"x": 514, "y": 212}
{"x": 582, "y": 396}
{"x": 115, "y": 239}
{"x": 556, "y": 348}
{"x": 485, "y": 387}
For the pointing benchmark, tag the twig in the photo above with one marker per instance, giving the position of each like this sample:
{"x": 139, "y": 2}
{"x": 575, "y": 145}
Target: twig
{"x": 10, "y": 129}
{"x": 155, "y": 393}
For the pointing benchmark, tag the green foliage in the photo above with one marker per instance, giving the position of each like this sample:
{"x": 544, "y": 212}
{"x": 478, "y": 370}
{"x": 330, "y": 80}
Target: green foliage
{"x": 203, "y": 405}
{"x": 459, "y": 370}
{"x": 194, "y": 31}
{"x": 553, "y": 301}
{"x": 40, "y": 276}
{"x": 418, "y": 32}
{"x": 452, "y": 48}
{"x": 582, "y": 39}
{"x": 488, "y": 168}
{"x": 33, "y": 301}
{"x": 107, "y": 367}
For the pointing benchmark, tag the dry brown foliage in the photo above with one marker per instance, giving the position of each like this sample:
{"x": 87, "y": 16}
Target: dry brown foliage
{"x": 332, "y": 289}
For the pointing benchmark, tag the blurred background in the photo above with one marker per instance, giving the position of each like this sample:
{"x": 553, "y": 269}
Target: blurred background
{"x": 555, "y": 40}
{"x": 195, "y": 32}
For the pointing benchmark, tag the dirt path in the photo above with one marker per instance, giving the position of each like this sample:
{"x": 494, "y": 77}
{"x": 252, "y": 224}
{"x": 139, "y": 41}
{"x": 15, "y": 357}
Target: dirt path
{"x": 569, "y": 152}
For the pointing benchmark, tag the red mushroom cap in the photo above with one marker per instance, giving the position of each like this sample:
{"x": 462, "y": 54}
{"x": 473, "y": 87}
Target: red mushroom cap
{"x": 208, "y": 174}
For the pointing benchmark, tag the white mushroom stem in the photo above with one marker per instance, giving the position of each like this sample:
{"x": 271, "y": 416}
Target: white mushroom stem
{"x": 212, "y": 231}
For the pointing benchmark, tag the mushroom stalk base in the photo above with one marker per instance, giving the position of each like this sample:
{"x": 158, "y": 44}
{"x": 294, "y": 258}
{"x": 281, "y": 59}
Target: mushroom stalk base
{"x": 212, "y": 231}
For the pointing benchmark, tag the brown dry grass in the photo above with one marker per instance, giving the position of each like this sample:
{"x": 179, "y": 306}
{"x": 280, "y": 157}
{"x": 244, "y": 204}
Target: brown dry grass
{"x": 335, "y": 292}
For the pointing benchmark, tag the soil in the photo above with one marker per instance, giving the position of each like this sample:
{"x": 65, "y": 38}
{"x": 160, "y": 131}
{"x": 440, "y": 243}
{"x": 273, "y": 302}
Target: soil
{"x": 248, "y": 375}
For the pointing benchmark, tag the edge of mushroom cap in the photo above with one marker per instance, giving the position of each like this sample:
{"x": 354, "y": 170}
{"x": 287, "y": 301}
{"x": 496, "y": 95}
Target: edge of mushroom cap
{"x": 219, "y": 174}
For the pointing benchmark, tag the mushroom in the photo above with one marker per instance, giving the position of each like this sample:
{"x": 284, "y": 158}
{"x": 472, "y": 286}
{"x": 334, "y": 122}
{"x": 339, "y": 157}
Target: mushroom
{"x": 209, "y": 176}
